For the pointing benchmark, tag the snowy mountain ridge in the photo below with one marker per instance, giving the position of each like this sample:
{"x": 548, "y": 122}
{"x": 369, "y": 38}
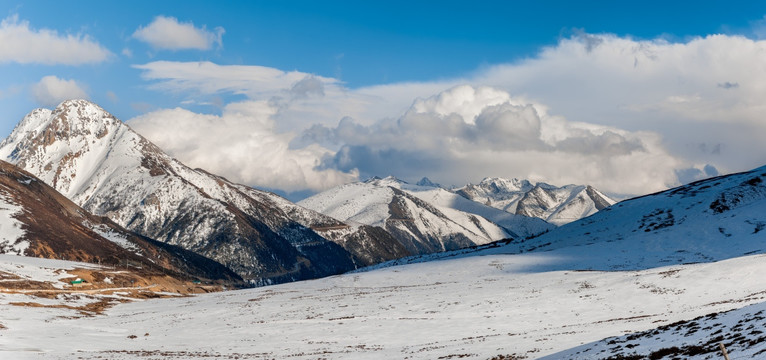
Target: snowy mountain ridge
{"x": 557, "y": 205}
{"x": 419, "y": 224}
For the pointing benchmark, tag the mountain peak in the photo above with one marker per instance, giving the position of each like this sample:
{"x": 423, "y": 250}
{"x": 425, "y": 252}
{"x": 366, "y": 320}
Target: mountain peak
{"x": 427, "y": 182}
{"x": 78, "y": 112}
{"x": 505, "y": 185}
{"x": 386, "y": 181}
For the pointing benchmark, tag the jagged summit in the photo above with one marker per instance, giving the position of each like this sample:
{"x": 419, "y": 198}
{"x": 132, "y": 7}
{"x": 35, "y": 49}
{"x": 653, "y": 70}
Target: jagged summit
{"x": 500, "y": 185}
{"x": 557, "y": 205}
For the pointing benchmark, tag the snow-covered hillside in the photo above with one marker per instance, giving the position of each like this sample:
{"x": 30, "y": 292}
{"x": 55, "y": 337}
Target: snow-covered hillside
{"x": 708, "y": 220}
{"x": 741, "y": 331}
{"x": 425, "y": 219}
{"x": 556, "y": 205}
{"x": 104, "y": 166}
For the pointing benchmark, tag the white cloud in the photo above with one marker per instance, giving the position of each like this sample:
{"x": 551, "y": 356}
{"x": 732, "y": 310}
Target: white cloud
{"x": 166, "y": 33}
{"x": 467, "y": 133}
{"x": 51, "y": 90}
{"x": 22, "y": 44}
{"x": 605, "y": 105}
{"x": 241, "y": 145}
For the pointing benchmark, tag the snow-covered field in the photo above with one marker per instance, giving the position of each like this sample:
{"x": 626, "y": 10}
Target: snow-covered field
{"x": 38, "y": 269}
{"x": 473, "y": 307}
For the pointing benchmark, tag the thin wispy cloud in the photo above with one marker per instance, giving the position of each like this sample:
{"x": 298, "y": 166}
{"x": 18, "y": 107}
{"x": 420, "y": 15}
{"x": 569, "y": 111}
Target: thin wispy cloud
{"x": 167, "y": 33}
{"x": 23, "y": 44}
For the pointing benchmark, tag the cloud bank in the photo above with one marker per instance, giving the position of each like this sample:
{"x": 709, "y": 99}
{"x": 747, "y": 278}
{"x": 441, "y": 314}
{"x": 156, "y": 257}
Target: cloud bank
{"x": 166, "y": 33}
{"x": 23, "y": 44}
{"x": 241, "y": 145}
{"x": 628, "y": 116}
{"x": 51, "y": 90}
{"x": 466, "y": 133}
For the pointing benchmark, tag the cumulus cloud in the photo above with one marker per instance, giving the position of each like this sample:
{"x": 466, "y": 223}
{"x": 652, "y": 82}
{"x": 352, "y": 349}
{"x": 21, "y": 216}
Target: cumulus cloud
{"x": 467, "y": 133}
{"x": 166, "y": 33}
{"x": 622, "y": 114}
{"x": 23, "y": 44}
{"x": 51, "y": 90}
{"x": 240, "y": 144}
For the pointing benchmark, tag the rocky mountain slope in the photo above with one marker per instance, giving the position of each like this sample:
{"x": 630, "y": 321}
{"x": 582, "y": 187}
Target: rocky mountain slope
{"x": 424, "y": 218}
{"x": 104, "y": 166}
{"x": 556, "y": 205}
{"x": 37, "y": 221}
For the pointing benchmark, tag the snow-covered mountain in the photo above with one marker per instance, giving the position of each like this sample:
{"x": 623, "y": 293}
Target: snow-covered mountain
{"x": 104, "y": 166}
{"x": 37, "y": 221}
{"x": 425, "y": 218}
{"x": 556, "y": 205}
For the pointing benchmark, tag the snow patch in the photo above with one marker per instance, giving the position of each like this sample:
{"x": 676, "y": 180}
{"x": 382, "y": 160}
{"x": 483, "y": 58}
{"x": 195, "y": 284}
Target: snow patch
{"x": 11, "y": 233}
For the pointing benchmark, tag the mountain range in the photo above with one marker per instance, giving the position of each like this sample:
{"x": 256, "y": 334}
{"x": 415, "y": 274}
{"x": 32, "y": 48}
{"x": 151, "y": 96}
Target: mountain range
{"x": 426, "y": 219}
{"x": 104, "y": 166}
{"x": 556, "y": 205}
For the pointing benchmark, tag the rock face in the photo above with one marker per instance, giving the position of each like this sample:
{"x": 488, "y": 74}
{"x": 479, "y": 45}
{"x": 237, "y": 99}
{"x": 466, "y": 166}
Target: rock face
{"x": 104, "y": 166}
{"x": 40, "y": 222}
{"x": 556, "y": 205}
{"x": 423, "y": 218}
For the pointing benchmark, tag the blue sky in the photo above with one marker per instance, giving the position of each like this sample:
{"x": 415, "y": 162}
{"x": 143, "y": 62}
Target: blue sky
{"x": 346, "y": 90}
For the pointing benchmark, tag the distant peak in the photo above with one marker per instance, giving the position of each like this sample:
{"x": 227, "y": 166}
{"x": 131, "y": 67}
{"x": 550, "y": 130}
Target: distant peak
{"x": 375, "y": 180}
{"x": 502, "y": 184}
{"x": 427, "y": 182}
